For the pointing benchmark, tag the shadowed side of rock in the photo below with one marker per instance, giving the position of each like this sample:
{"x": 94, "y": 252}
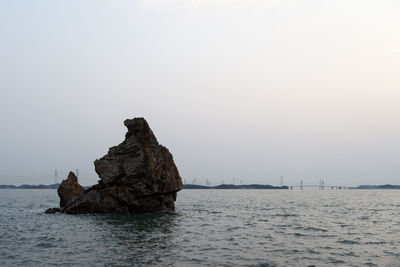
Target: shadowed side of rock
{"x": 139, "y": 175}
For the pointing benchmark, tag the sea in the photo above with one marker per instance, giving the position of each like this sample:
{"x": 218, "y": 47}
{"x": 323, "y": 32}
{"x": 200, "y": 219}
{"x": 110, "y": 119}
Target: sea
{"x": 209, "y": 228}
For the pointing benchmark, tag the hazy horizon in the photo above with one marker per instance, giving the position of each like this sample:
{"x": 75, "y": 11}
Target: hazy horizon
{"x": 255, "y": 90}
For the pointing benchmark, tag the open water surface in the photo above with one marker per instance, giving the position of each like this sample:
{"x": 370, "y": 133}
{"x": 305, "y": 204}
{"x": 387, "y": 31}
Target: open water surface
{"x": 210, "y": 228}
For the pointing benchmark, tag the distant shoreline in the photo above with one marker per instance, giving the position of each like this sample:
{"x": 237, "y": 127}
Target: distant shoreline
{"x": 185, "y": 186}
{"x": 28, "y": 186}
{"x": 34, "y": 186}
{"x": 260, "y": 186}
{"x": 232, "y": 186}
{"x": 385, "y": 186}
{"x": 194, "y": 186}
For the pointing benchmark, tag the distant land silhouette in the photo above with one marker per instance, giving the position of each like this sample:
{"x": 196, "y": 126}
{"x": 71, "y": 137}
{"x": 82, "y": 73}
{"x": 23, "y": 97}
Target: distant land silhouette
{"x": 34, "y": 186}
{"x": 195, "y": 186}
{"x": 232, "y": 186}
{"x": 260, "y": 186}
{"x": 186, "y": 186}
{"x": 385, "y": 186}
{"x": 29, "y": 186}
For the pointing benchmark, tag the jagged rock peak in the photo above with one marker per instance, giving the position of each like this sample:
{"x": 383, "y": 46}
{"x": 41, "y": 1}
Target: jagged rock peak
{"x": 69, "y": 189}
{"x": 139, "y": 128}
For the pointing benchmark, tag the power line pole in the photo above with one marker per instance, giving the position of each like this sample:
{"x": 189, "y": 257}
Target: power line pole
{"x": 55, "y": 176}
{"x": 77, "y": 173}
{"x": 301, "y": 184}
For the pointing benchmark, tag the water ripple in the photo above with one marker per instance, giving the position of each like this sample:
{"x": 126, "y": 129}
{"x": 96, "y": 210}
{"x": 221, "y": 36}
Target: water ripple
{"x": 210, "y": 228}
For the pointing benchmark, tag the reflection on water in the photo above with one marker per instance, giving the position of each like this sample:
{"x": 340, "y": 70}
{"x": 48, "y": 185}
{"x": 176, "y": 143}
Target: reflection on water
{"x": 139, "y": 238}
{"x": 143, "y": 223}
{"x": 210, "y": 227}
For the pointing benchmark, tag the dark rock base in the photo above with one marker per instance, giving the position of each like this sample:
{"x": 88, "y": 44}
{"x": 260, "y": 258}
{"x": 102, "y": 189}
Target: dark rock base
{"x": 104, "y": 201}
{"x": 52, "y": 210}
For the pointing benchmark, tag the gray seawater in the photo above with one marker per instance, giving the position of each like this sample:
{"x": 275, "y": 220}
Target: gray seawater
{"x": 210, "y": 228}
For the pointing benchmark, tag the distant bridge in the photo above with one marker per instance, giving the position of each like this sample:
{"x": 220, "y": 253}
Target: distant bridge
{"x": 331, "y": 187}
{"x": 320, "y": 186}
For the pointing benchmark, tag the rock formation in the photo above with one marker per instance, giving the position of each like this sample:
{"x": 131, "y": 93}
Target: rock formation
{"x": 52, "y": 210}
{"x": 69, "y": 189}
{"x": 138, "y": 175}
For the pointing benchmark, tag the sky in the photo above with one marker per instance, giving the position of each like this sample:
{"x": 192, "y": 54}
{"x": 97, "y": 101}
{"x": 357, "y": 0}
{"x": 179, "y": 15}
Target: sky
{"x": 255, "y": 90}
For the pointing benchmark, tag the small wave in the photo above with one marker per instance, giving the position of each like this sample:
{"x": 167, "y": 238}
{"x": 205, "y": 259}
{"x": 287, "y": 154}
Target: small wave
{"x": 375, "y": 243}
{"x": 311, "y": 251}
{"x": 348, "y": 242}
{"x": 299, "y": 234}
{"x": 310, "y": 228}
{"x": 264, "y": 265}
{"x": 45, "y": 245}
{"x": 286, "y": 215}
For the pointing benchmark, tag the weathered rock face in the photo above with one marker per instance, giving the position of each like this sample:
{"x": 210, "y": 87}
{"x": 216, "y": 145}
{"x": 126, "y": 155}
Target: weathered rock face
{"x": 69, "y": 189}
{"x": 138, "y": 175}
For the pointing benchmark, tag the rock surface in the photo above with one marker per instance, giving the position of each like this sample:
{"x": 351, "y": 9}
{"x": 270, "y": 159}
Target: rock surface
{"x": 138, "y": 175}
{"x": 69, "y": 189}
{"x": 52, "y": 210}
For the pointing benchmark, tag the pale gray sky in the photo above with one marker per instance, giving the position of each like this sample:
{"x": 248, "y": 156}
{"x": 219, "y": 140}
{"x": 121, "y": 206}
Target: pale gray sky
{"x": 251, "y": 89}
